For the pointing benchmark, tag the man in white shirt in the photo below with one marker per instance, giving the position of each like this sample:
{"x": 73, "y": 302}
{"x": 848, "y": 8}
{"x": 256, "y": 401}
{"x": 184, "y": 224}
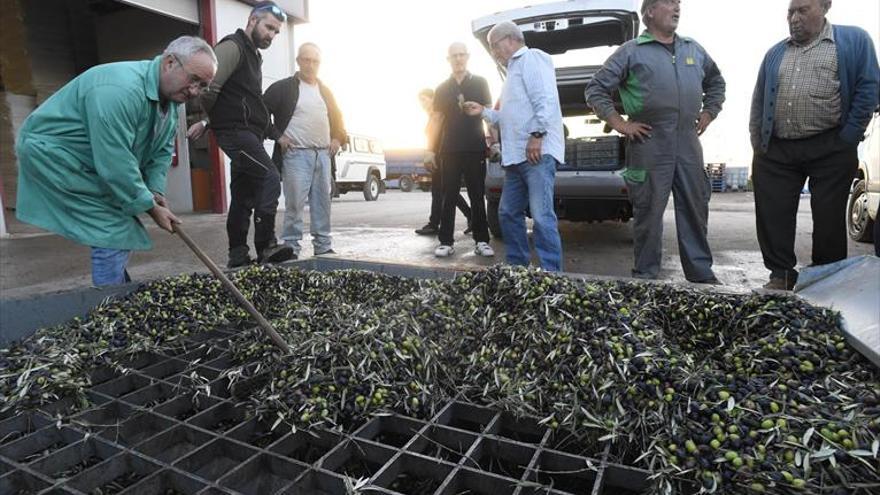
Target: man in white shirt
{"x": 308, "y": 130}
{"x": 532, "y": 144}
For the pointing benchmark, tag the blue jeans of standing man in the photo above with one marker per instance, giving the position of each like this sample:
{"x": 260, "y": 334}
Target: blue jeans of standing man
{"x": 108, "y": 266}
{"x": 306, "y": 177}
{"x": 530, "y": 186}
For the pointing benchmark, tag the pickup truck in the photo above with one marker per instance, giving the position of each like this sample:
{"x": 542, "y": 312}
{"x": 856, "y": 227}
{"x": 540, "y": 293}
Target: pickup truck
{"x": 405, "y": 170}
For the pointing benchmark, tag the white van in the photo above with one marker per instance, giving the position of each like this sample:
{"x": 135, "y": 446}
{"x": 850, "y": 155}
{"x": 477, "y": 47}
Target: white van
{"x": 360, "y": 166}
{"x": 864, "y": 199}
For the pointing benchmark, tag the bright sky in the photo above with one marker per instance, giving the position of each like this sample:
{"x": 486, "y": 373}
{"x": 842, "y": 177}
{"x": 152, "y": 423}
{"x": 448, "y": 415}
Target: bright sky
{"x": 377, "y": 55}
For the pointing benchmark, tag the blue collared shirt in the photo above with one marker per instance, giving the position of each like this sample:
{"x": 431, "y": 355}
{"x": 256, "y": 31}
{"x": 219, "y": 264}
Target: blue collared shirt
{"x": 529, "y": 103}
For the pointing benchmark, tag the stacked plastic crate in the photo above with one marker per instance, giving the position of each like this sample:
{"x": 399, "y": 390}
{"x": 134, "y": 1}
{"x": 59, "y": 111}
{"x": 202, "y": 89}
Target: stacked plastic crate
{"x": 737, "y": 178}
{"x": 716, "y": 172}
{"x": 592, "y": 153}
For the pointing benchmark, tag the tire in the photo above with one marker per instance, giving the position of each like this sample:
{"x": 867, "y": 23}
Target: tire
{"x": 371, "y": 188}
{"x": 492, "y": 218}
{"x": 859, "y": 225}
{"x": 406, "y": 183}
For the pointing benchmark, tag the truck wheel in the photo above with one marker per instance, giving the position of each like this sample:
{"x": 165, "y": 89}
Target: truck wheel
{"x": 406, "y": 183}
{"x": 858, "y": 222}
{"x": 371, "y": 188}
{"x": 492, "y": 218}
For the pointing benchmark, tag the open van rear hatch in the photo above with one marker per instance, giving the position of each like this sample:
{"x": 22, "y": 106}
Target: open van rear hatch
{"x": 572, "y": 25}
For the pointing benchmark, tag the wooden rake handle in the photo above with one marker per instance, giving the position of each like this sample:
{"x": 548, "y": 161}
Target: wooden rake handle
{"x": 261, "y": 320}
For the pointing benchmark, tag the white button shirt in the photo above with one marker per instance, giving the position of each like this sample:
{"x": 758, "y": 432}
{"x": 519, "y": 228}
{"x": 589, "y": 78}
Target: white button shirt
{"x": 529, "y": 103}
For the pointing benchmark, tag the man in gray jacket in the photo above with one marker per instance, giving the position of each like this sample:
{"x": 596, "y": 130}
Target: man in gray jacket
{"x": 671, "y": 90}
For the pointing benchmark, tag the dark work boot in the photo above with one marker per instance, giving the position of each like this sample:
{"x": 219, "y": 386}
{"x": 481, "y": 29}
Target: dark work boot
{"x": 275, "y": 253}
{"x": 239, "y": 256}
{"x": 428, "y": 229}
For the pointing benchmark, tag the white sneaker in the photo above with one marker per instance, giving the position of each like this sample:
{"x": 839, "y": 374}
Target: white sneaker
{"x": 444, "y": 251}
{"x": 484, "y": 249}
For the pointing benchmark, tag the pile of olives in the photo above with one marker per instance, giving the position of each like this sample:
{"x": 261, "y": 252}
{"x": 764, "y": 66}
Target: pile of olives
{"x": 725, "y": 393}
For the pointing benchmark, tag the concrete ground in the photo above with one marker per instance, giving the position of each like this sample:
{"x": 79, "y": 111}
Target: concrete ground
{"x": 32, "y": 262}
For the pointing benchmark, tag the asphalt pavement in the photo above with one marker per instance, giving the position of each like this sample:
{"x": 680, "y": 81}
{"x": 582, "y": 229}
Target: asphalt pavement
{"x": 32, "y": 261}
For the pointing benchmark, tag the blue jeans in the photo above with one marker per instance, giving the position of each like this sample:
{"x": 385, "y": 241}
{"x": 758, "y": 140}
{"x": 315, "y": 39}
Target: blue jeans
{"x": 108, "y": 266}
{"x": 530, "y": 186}
{"x": 306, "y": 177}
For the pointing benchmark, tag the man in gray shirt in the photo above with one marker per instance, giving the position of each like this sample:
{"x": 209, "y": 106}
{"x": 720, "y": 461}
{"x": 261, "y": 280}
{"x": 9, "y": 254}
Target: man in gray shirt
{"x": 307, "y": 128}
{"x": 531, "y": 146}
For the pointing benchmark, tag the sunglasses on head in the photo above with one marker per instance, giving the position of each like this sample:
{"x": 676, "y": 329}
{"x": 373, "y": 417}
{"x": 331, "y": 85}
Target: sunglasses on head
{"x": 274, "y": 10}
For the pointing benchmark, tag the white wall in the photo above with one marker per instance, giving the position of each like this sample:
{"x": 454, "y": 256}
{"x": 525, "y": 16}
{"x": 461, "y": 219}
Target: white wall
{"x": 178, "y": 188}
{"x": 185, "y": 10}
{"x": 278, "y": 59}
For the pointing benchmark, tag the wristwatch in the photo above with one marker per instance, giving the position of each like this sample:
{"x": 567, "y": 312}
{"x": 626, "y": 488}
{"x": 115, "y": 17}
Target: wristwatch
{"x": 538, "y": 134}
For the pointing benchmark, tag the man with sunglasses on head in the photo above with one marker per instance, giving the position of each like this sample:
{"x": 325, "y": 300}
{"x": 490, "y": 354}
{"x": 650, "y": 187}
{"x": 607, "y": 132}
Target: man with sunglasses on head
{"x": 240, "y": 122}
{"x": 95, "y": 155}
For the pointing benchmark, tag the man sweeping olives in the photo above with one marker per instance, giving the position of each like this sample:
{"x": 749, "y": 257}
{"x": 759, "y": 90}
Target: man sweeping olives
{"x": 95, "y": 155}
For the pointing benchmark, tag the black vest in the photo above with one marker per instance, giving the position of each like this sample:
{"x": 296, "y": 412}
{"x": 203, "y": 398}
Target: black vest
{"x": 240, "y": 102}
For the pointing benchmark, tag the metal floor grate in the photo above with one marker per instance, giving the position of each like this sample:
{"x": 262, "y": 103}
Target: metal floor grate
{"x": 176, "y": 424}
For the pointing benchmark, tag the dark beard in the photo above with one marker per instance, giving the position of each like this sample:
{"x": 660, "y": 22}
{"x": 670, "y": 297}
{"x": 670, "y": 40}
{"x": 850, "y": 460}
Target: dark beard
{"x": 258, "y": 43}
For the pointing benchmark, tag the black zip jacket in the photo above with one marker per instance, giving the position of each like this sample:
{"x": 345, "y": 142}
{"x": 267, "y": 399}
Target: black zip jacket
{"x": 281, "y": 99}
{"x": 239, "y": 104}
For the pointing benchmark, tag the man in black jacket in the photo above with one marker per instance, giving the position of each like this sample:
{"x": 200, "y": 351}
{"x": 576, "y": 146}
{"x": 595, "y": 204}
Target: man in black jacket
{"x": 461, "y": 148}
{"x": 240, "y": 123}
{"x": 308, "y": 130}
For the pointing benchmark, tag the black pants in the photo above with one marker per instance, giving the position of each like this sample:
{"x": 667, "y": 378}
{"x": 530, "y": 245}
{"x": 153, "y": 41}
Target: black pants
{"x": 471, "y": 166}
{"x": 778, "y": 175}
{"x": 255, "y": 186}
{"x": 437, "y": 197}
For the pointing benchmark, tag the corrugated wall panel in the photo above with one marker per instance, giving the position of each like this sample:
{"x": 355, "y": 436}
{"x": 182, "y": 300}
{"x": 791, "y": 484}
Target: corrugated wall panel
{"x": 185, "y": 10}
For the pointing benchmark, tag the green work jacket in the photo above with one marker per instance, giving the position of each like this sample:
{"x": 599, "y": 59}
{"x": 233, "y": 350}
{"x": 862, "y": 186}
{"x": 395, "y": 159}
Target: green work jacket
{"x": 92, "y": 155}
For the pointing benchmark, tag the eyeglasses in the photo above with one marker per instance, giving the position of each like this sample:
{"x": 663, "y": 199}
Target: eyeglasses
{"x": 494, "y": 44}
{"x": 274, "y": 10}
{"x": 194, "y": 80}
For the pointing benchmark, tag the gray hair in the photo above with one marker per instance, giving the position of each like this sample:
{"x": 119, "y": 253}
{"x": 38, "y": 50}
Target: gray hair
{"x": 308, "y": 44}
{"x": 189, "y": 46}
{"x": 506, "y": 29}
{"x": 647, "y": 4}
